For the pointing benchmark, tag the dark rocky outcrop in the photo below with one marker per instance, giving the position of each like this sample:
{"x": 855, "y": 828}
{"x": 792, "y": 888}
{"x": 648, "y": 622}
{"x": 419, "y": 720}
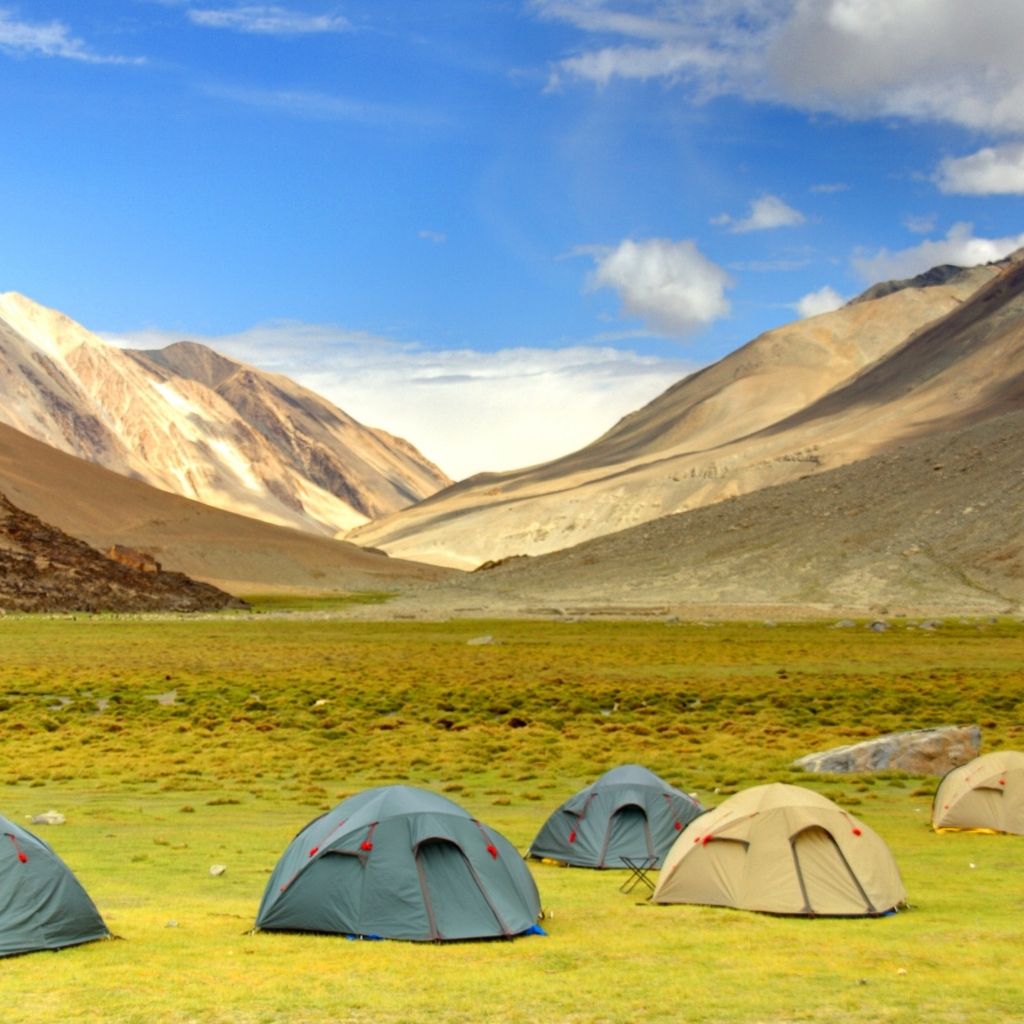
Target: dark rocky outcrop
{"x": 929, "y": 279}
{"x": 43, "y": 569}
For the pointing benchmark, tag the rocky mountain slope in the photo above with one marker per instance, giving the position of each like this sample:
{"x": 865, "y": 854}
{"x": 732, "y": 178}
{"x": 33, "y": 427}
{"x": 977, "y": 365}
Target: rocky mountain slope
{"x": 42, "y": 569}
{"x": 195, "y": 423}
{"x": 908, "y": 359}
{"x": 240, "y": 555}
{"x": 934, "y": 526}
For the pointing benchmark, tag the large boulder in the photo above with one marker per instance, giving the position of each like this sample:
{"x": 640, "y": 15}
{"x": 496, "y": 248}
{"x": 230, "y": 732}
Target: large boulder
{"x": 919, "y": 752}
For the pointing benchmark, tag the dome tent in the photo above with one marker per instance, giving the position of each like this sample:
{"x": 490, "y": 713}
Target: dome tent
{"x": 42, "y": 904}
{"x": 782, "y": 849}
{"x": 986, "y": 794}
{"x": 398, "y": 862}
{"x": 627, "y": 812}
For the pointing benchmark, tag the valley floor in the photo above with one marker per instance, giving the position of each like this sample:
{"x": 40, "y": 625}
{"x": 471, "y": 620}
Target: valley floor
{"x": 173, "y": 745}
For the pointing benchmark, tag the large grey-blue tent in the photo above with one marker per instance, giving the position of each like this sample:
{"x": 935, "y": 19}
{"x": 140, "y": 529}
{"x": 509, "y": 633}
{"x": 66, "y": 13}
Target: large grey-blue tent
{"x": 398, "y": 862}
{"x": 628, "y": 812}
{"x": 42, "y": 904}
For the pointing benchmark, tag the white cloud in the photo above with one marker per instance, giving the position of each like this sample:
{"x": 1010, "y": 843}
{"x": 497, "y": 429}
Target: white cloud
{"x": 676, "y": 60}
{"x": 437, "y": 237}
{"x": 49, "y": 39}
{"x": 824, "y": 300}
{"x": 996, "y": 170}
{"x": 466, "y": 410}
{"x": 923, "y": 225}
{"x": 929, "y": 60}
{"x": 960, "y": 248}
{"x": 671, "y": 286}
{"x": 267, "y": 19}
{"x": 594, "y": 17}
{"x": 703, "y": 42}
{"x": 922, "y": 59}
{"x": 766, "y": 212}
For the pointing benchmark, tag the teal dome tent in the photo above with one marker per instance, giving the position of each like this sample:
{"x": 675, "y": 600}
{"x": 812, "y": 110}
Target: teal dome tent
{"x": 42, "y": 904}
{"x": 397, "y": 862}
{"x": 628, "y": 812}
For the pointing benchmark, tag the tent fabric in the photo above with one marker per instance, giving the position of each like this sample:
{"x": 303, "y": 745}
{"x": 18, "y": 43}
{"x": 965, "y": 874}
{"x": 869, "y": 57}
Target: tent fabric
{"x": 628, "y": 812}
{"x": 42, "y": 904}
{"x": 782, "y": 849}
{"x": 986, "y": 794}
{"x": 400, "y": 862}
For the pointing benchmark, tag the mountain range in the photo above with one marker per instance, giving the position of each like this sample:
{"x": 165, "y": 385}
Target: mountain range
{"x": 867, "y": 458}
{"x": 906, "y": 359}
{"x": 192, "y": 422}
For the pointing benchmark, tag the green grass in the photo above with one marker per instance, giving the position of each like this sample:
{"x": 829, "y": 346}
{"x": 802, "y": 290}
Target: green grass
{"x": 315, "y": 602}
{"x": 275, "y": 719}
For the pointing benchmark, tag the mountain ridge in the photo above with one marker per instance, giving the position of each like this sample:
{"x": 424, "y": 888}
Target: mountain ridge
{"x": 194, "y": 422}
{"x": 717, "y": 433}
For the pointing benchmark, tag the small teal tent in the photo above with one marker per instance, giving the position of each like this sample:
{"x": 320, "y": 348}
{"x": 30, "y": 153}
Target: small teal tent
{"x": 397, "y": 862}
{"x": 628, "y": 812}
{"x": 42, "y": 904}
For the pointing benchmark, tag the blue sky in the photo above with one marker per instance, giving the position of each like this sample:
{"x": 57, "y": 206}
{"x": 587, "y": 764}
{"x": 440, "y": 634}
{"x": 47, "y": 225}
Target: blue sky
{"x": 494, "y": 226}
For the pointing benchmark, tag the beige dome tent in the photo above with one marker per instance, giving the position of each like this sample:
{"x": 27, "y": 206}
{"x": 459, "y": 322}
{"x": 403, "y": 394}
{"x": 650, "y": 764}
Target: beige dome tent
{"x": 782, "y": 850}
{"x": 986, "y": 794}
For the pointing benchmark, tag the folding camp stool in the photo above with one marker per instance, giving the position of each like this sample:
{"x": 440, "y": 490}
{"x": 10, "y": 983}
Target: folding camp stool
{"x": 638, "y": 868}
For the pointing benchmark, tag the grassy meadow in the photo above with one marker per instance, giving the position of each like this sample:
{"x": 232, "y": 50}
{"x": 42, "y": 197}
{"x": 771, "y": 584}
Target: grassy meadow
{"x": 173, "y": 744}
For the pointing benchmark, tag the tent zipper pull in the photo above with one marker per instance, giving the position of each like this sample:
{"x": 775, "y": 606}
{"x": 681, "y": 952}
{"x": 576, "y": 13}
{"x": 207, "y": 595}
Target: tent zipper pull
{"x": 22, "y": 856}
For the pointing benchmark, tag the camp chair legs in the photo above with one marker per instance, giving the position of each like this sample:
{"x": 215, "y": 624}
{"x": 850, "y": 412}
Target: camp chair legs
{"x": 638, "y": 868}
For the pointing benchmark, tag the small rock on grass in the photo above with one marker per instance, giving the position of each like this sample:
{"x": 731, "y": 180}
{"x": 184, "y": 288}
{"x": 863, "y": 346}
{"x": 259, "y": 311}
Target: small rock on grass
{"x": 218, "y": 869}
{"x": 48, "y": 818}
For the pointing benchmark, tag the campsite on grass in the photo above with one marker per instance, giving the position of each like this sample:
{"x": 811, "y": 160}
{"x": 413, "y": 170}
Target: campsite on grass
{"x": 782, "y": 849}
{"x": 398, "y": 862}
{"x": 627, "y": 813}
{"x": 986, "y": 794}
{"x": 172, "y": 746}
{"x": 42, "y": 905}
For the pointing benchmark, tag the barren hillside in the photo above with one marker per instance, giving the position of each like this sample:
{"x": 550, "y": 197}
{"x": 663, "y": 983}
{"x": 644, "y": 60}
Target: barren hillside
{"x": 243, "y": 556}
{"x": 932, "y": 527}
{"x": 905, "y": 360}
